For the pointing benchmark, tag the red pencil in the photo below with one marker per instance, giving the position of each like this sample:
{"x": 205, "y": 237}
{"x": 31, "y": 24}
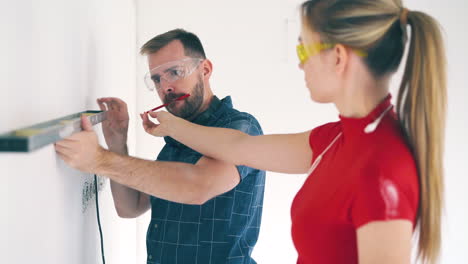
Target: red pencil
{"x": 161, "y": 106}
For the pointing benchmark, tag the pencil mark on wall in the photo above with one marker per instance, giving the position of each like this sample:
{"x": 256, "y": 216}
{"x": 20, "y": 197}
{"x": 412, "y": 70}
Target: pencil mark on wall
{"x": 88, "y": 193}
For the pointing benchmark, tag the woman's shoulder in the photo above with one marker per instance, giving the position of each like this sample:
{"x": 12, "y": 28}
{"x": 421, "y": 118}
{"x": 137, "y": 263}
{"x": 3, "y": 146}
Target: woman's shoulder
{"x": 322, "y": 135}
{"x": 326, "y": 130}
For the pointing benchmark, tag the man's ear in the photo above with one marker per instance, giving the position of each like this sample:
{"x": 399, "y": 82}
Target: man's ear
{"x": 341, "y": 58}
{"x": 207, "y": 68}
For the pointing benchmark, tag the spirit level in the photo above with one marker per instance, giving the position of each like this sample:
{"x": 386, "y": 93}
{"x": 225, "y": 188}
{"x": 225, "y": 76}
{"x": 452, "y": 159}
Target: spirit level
{"x": 33, "y": 137}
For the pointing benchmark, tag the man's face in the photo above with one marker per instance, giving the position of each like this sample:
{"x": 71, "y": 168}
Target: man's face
{"x": 167, "y": 61}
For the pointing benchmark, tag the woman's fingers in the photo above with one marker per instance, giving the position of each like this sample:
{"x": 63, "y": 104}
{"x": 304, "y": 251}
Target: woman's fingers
{"x": 153, "y": 114}
{"x": 146, "y": 121}
{"x": 149, "y": 126}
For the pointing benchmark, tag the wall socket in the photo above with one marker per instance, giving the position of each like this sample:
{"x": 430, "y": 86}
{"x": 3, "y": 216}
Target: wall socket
{"x": 88, "y": 193}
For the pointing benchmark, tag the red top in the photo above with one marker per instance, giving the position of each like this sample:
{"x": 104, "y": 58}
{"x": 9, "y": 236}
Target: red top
{"x": 362, "y": 177}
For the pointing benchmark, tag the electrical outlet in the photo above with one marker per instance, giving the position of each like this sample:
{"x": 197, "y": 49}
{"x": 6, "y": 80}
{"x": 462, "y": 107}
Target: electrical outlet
{"x": 88, "y": 193}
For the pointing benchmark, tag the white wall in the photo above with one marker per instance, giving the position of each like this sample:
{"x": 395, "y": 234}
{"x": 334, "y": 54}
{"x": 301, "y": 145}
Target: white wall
{"x": 57, "y": 58}
{"x": 251, "y": 44}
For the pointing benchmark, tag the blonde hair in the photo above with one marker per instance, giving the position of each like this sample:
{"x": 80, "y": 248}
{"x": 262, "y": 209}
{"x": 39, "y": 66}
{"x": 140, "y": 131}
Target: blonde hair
{"x": 378, "y": 27}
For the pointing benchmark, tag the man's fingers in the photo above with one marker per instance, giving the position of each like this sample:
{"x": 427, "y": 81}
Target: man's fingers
{"x": 63, "y": 157}
{"x": 110, "y": 105}
{"x": 101, "y": 104}
{"x": 74, "y": 139}
{"x": 66, "y": 158}
{"x": 106, "y": 105}
{"x": 62, "y": 150}
{"x": 67, "y": 142}
{"x": 110, "y": 99}
{"x": 86, "y": 124}
{"x": 117, "y": 105}
{"x": 113, "y": 103}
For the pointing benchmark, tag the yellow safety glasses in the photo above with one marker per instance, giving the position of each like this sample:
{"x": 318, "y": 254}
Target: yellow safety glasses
{"x": 304, "y": 52}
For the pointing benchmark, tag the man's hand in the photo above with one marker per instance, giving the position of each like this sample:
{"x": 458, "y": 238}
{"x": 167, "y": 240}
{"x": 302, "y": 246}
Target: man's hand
{"x": 166, "y": 120}
{"x": 115, "y": 127}
{"x": 81, "y": 150}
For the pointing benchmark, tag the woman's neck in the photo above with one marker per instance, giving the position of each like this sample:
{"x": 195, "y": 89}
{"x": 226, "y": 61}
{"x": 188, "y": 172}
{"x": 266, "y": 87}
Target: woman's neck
{"x": 362, "y": 94}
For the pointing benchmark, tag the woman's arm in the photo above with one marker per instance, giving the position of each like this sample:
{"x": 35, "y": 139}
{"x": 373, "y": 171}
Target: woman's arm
{"x": 287, "y": 153}
{"x": 385, "y": 242}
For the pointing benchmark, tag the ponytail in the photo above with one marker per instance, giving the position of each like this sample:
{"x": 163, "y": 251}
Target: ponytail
{"x": 421, "y": 106}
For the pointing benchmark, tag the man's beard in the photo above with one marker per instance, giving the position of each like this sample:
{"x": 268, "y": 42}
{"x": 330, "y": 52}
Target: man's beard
{"x": 191, "y": 104}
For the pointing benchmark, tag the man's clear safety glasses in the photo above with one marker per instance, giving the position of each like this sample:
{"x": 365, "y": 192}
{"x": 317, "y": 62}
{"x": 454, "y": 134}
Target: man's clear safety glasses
{"x": 170, "y": 72}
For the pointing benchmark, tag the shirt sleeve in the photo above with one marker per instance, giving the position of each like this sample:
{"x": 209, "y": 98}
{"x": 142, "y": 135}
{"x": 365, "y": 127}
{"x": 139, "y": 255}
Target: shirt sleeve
{"x": 320, "y": 137}
{"x": 385, "y": 193}
{"x": 248, "y": 124}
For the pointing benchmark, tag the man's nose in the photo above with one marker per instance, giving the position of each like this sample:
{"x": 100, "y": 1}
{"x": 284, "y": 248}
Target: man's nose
{"x": 166, "y": 86}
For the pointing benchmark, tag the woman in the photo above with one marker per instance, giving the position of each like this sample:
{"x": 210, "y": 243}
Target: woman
{"x": 375, "y": 176}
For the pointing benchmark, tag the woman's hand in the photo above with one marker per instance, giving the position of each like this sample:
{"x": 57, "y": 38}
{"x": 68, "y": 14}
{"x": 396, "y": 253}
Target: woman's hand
{"x": 166, "y": 121}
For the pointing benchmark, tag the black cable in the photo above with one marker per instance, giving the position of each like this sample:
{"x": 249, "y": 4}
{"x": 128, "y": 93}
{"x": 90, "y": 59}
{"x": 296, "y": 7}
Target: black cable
{"x": 99, "y": 219}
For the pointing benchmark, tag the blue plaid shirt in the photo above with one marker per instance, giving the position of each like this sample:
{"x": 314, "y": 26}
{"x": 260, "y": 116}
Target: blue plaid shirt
{"x": 224, "y": 229}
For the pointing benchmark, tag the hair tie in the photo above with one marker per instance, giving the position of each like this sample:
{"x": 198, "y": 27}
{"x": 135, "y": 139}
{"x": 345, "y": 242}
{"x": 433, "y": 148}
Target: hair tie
{"x": 403, "y": 23}
{"x": 404, "y": 17}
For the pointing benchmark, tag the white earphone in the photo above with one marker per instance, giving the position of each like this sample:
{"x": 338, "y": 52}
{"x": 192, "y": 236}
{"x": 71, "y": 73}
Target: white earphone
{"x": 372, "y": 126}
{"x": 368, "y": 129}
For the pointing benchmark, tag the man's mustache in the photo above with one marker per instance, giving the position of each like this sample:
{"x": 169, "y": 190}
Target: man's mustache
{"x": 171, "y": 97}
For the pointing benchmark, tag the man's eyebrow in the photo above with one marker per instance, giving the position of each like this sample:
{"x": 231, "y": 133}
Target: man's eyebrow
{"x": 166, "y": 70}
{"x": 170, "y": 68}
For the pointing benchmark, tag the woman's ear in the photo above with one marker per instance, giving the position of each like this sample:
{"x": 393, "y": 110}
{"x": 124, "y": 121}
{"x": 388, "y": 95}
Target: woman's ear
{"x": 341, "y": 58}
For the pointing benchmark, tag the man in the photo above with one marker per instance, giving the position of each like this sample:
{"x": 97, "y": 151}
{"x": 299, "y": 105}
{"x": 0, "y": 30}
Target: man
{"x": 202, "y": 210}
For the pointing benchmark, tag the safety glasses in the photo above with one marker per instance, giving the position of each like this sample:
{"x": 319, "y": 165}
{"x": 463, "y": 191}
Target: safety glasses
{"x": 304, "y": 52}
{"x": 170, "y": 72}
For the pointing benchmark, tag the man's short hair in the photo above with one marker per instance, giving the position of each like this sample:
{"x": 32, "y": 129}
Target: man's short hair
{"x": 192, "y": 44}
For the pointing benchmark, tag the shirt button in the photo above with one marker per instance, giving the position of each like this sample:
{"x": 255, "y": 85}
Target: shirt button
{"x": 150, "y": 257}
{"x": 155, "y": 225}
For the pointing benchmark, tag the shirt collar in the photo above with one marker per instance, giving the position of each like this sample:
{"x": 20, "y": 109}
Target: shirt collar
{"x": 355, "y": 126}
{"x": 204, "y": 117}
{"x": 208, "y": 116}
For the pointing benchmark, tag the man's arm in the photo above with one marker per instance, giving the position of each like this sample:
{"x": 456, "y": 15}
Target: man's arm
{"x": 173, "y": 181}
{"x": 128, "y": 202}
